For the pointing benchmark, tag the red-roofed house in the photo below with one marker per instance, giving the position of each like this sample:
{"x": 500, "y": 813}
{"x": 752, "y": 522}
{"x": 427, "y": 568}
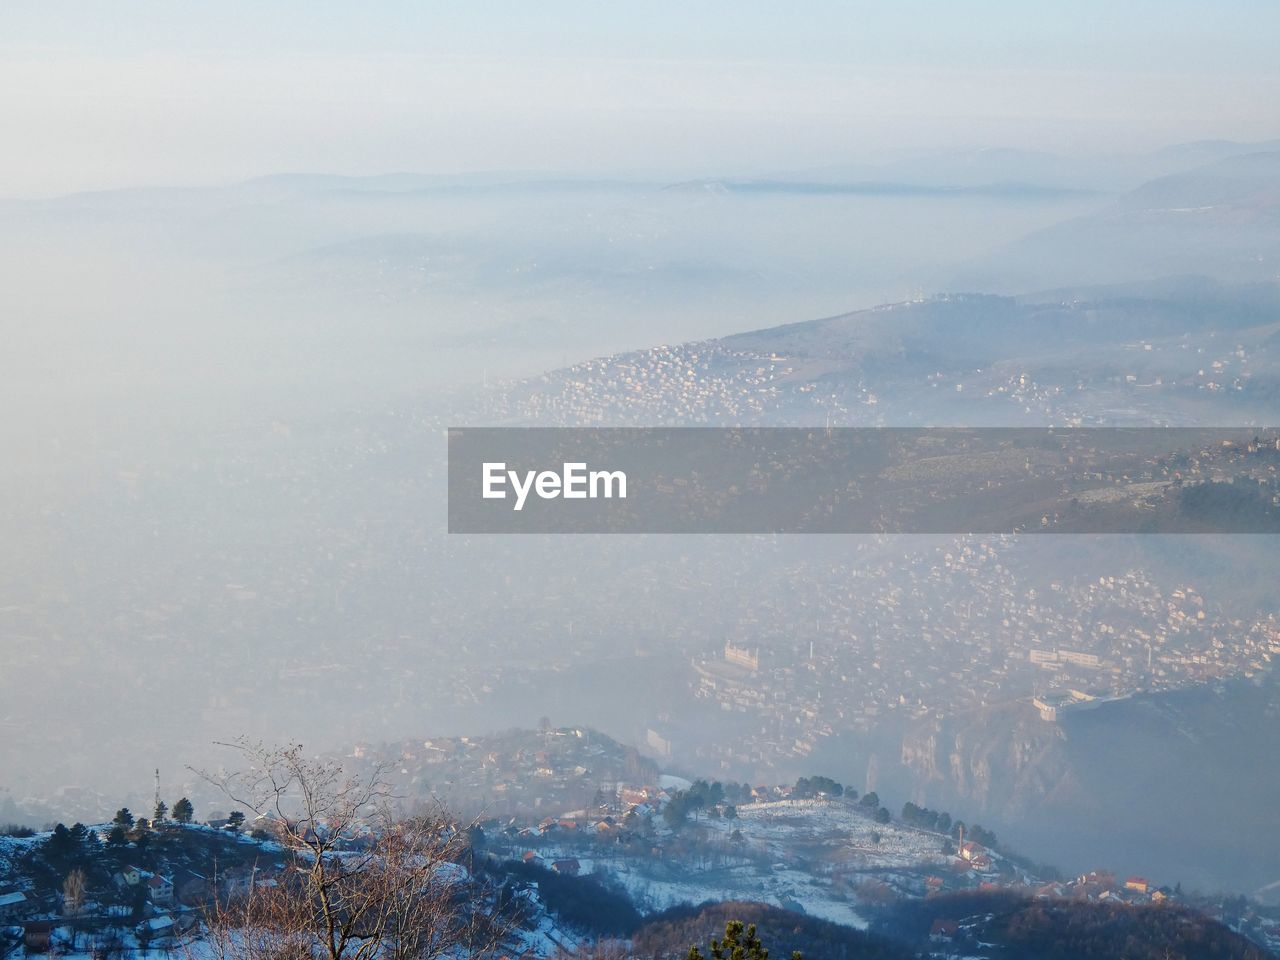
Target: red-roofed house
{"x": 970, "y": 850}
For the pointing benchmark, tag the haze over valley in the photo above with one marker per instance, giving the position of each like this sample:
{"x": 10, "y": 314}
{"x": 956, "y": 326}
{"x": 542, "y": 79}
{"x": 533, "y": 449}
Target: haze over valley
{"x": 223, "y": 517}
{"x": 258, "y": 265}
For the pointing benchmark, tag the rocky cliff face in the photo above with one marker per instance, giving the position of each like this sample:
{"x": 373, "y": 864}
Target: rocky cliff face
{"x": 1004, "y": 761}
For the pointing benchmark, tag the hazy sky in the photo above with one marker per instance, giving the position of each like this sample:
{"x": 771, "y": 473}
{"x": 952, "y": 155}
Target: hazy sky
{"x": 95, "y": 94}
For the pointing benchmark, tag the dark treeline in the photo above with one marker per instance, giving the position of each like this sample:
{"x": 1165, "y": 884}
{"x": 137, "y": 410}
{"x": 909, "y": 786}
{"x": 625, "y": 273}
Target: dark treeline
{"x": 1034, "y": 929}
{"x": 586, "y": 904}
{"x": 941, "y": 822}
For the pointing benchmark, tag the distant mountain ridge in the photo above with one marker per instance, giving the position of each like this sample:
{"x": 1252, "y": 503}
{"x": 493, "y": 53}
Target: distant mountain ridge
{"x": 1220, "y": 221}
{"x": 876, "y": 188}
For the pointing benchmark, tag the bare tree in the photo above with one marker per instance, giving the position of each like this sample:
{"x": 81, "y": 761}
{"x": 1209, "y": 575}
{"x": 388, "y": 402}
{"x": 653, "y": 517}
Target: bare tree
{"x": 73, "y": 888}
{"x": 361, "y": 884}
{"x": 73, "y": 892}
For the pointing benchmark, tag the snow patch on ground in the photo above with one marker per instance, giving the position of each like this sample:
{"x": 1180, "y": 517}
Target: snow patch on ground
{"x": 799, "y": 854}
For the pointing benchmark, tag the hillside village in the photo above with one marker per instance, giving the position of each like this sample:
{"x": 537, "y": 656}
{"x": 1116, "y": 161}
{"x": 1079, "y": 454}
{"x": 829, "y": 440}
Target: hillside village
{"x": 641, "y": 840}
{"x": 574, "y": 805}
{"x": 898, "y": 363}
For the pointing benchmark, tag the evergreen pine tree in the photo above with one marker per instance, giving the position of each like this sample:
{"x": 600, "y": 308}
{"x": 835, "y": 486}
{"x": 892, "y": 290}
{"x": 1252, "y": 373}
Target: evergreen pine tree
{"x": 740, "y": 943}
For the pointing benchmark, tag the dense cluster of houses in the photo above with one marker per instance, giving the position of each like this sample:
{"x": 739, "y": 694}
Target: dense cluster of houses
{"x": 951, "y": 629}
{"x": 1103, "y": 885}
{"x": 518, "y": 772}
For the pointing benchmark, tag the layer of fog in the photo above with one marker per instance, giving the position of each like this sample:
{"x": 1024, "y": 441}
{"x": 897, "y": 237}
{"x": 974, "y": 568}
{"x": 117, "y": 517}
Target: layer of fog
{"x": 221, "y": 408}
